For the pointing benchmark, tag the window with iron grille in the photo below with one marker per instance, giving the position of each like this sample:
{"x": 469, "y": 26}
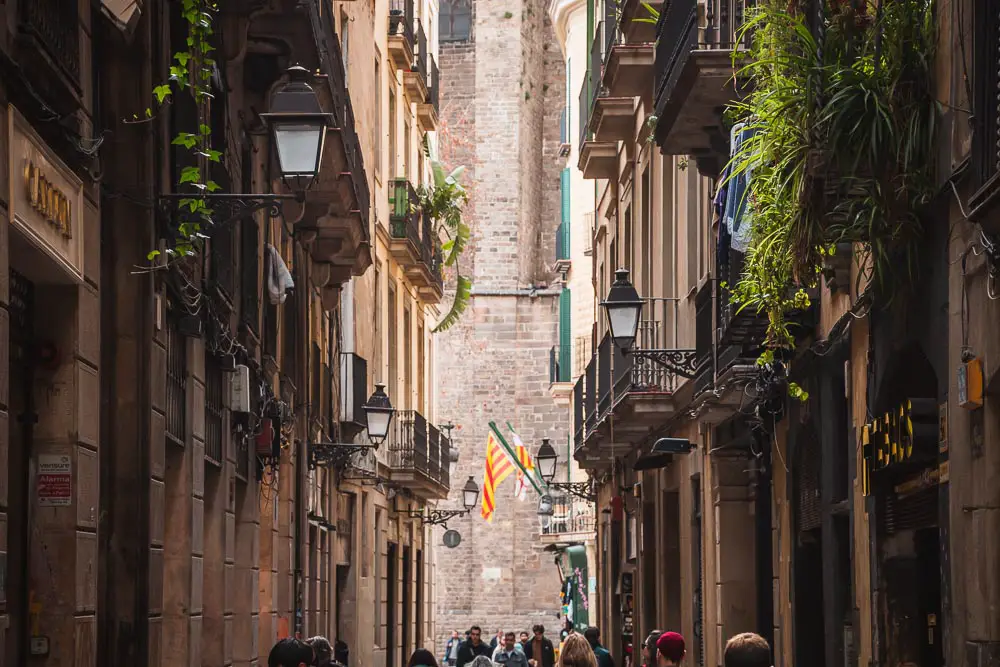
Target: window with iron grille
{"x": 176, "y": 382}
{"x": 213, "y": 410}
{"x": 455, "y": 21}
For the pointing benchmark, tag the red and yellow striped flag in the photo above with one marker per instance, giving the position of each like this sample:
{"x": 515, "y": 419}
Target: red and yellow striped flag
{"x": 498, "y": 468}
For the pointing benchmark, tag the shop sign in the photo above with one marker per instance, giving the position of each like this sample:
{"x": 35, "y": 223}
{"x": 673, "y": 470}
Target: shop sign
{"x": 909, "y": 432}
{"x": 55, "y": 481}
{"x": 46, "y": 197}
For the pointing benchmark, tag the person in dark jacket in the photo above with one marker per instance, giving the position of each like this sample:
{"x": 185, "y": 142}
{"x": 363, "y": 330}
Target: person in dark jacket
{"x": 292, "y": 652}
{"x": 604, "y": 658}
{"x": 539, "y": 650}
{"x": 473, "y": 648}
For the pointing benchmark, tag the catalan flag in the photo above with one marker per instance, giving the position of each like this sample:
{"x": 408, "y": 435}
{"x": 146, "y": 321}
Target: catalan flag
{"x": 498, "y": 468}
{"x": 527, "y": 466}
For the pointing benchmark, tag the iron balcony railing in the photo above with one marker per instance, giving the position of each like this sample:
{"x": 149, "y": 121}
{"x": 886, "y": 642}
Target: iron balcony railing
{"x": 678, "y": 34}
{"x": 420, "y": 58}
{"x": 434, "y": 83}
{"x": 403, "y": 211}
{"x": 56, "y": 26}
{"x": 578, "y": 416}
{"x": 401, "y": 18}
{"x": 570, "y": 515}
{"x": 408, "y": 442}
{"x": 704, "y": 337}
{"x": 663, "y": 353}
{"x": 590, "y": 396}
{"x": 343, "y": 111}
{"x": 430, "y": 250}
{"x": 554, "y": 364}
{"x": 604, "y": 353}
{"x": 583, "y": 106}
{"x": 418, "y": 446}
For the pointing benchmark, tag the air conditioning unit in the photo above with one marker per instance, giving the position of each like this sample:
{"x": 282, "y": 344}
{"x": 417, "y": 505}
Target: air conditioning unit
{"x": 239, "y": 389}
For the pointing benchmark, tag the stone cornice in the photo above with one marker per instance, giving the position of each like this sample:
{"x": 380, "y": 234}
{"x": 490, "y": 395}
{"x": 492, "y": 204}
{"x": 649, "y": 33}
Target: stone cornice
{"x": 559, "y": 12}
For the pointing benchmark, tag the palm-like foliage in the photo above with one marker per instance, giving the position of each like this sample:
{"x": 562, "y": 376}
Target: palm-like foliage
{"x": 443, "y": 201}
{"x": 843, "y": 149}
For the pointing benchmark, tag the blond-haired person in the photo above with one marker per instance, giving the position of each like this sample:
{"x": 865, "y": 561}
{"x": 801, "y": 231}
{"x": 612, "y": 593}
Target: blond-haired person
{"x": 576, "y": 652}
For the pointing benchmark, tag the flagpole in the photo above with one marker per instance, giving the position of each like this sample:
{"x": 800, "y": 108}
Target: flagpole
{"x": 538, "y": 474}
{"x": 513, "y": 457}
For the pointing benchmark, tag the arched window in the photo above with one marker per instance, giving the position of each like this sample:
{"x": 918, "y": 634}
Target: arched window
{"x": 455, "y": 20}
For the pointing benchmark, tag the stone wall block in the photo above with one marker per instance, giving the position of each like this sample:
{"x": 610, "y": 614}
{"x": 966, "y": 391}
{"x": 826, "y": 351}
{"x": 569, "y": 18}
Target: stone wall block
{"x": 88, "y": 488}
{"x": 92, "y": 244}
{"x": 88, "y": 325}
{"x": 196, "y": 639}
{"x": 227, "y": 639}
{"x": 196, "y": 360}
{"x": 198, "y": 465}
{"x": 198, "y": 525}
{"x": 86, "y": 572}
{"x": 230, "y": 547}
{"x": 155, "y": 641}
{"x": 196, "y": 408}
{"x": 85, "y": 640}
{"x": 158, "y": 378}
{"x": 155, "y": 581}
{"x": 157, "y": 509}
{"x": 229, "y": 577}
{"x": 197, "y": 584}
{"x": 157, "y": 442}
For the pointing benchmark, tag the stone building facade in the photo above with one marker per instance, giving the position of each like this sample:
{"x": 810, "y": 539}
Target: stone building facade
{"x": 503, "y": 91}
{"x": 180, "y": 484}
{"x": 802, "y": 521}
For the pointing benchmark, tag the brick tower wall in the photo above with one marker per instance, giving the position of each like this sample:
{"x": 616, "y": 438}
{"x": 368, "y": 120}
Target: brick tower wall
{"x": 502, "y": 95}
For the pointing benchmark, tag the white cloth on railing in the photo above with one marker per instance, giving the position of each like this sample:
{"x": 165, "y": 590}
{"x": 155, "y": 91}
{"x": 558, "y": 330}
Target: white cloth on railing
{"x": 279, "y": 280}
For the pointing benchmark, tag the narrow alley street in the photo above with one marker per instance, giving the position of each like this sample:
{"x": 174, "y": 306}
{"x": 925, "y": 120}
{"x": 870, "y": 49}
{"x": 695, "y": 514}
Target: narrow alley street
{"x": 517, "y": 333}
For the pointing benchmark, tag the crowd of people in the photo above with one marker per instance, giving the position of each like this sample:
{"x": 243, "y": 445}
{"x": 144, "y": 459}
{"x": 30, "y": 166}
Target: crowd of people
{"x": 510, "y": 649}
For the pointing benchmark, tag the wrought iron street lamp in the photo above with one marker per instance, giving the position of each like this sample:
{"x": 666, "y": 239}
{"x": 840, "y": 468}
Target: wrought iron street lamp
{"x": 547, "y": 459}
{"x": 378, "y": 415}
{"x": 297, "y": 125}
{"x": 298, "y": 129}
{"x": 623, "y": 307}
{"x": 435, "y": 517}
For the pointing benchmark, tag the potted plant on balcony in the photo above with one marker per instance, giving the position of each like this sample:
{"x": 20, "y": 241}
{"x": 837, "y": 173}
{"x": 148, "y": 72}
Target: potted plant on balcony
{"x": 844, "y": 127}
{"x": 442, "y": 201}
{"x": 396, "y": 18}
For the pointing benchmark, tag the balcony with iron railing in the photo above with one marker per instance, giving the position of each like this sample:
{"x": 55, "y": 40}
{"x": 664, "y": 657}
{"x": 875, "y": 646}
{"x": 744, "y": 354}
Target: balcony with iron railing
{"x": 401, "y": 33}
{"x": 598, "y": 156}
{"x": 572, "y": 520}
{"x": 694, "y": 74}
{"x": 404, "y": 223}
{"x": 613, "y": 90}
{"x": 415, "y": 83}
{"x": 578, "y": 412}
{"x": 427, "y": 112}
{"x": 428, "y": 275}
{"x": 641, "y": 389}
{"x": 336, "y": 212}
{"x": 415, "y": 458}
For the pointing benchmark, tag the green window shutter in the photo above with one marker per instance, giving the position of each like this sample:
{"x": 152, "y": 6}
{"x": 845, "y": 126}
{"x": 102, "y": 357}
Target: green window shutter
{"x": 565, "y": 335}
{"x": 562, "y": 242}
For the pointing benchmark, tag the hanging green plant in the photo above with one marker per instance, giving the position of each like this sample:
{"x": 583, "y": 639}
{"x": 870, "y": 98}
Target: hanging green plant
{"x": 191, "y": 73}
{"x": 842, "y": 135}
{"x": 443, "y": 201}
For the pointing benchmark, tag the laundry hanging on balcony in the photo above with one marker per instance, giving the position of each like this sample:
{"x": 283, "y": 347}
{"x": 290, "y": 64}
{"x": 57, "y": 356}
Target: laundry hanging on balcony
{"x": 279, "y": 280}
{"x": 737, "y": 217}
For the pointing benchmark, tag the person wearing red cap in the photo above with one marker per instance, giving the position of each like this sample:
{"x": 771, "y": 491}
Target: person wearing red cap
{"x": 670, "y": 649}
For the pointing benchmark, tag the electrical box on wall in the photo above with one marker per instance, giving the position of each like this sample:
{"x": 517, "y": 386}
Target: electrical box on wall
{"x": 239, "y": 389}
{"x": 970, "y": 384}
